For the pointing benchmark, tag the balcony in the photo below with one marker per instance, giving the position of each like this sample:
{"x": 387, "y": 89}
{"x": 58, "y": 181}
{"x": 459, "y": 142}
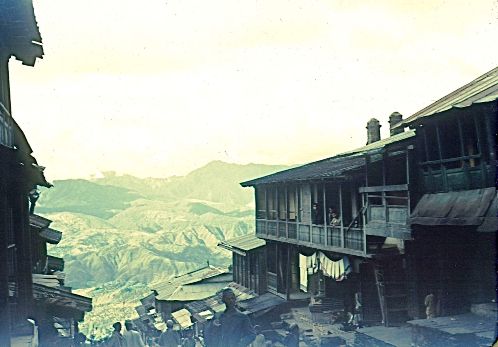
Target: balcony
{"x": 329, "y": 238}
{"x": 387, "y": 210}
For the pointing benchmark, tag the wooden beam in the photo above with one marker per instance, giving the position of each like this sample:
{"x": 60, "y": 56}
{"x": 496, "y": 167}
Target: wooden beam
{"x": 390, "y": 188}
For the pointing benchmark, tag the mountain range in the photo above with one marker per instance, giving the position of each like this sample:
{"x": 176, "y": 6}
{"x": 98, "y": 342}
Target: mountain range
{"x": 122, "y": 234}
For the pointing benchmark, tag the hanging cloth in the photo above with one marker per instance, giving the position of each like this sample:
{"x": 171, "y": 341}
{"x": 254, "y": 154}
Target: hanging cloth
{"x": 345, "y": 269}
{"x": 303, "y": 272}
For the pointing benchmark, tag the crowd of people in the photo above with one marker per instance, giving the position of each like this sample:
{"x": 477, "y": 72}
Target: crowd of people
{"x": 230, "y": 329}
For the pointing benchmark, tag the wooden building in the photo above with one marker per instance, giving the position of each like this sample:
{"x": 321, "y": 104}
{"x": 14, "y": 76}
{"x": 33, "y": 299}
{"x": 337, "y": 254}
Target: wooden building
{"x": 248, "y": 262}
{"x": 19, "y": 38}
{"x": 408, "y": 215}
{"x": 24, "y": 303}
{"x": 452, "y": 250}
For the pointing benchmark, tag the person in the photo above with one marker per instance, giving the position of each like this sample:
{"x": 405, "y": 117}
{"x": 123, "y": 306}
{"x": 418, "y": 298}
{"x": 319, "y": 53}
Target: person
{"x": 116, "y": 339}
{"x": 333, "y": 217}
{"x": 292, "y": 339}
{"x": 430, "y": 306}
{"x": 189, "y": 340}
{"x": 169, "y": 338}
{"x": 131, "y": 337}
{"x": 235, "y": 327}
{"x": 316, "y": 216}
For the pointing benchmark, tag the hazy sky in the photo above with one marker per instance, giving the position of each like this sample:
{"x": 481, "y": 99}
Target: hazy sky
{"x": 160, "y": 87}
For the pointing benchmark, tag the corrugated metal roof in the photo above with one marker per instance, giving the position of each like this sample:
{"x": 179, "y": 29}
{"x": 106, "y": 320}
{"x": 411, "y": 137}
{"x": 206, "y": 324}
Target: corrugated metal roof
{"x": 467, "y": 207}
{"x": 243, "y": 243}
{"x": 482, "y": 89}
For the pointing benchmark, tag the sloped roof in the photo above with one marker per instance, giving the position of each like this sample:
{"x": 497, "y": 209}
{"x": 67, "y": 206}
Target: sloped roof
{"x": 468, "y": 207}
{"x": 214, "y": 302}
{"x": 167, "y": 288}
{"x": 51, "y": 235}
{"x": 243, "y": 243}
{"x": 381, "y": 143}
{"x": 195, "y": 291}
{"x": 330, "y": 167}
{"x": 19, "y": 33}
{"x": 326, "y": 168}
{"x": 261, "y": 303}
{"x": 482, "y": 89}
{"x": 38, "y": 222}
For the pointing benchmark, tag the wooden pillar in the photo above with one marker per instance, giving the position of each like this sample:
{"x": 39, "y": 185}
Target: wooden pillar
{"x": 288, "y": 277}
{"x": 465, "y": 163}
{"x": 490, "y": 128}
{"x": 482, "y": 164}
{"x": 440, "y": 152}
{"x": 341, "y": 212}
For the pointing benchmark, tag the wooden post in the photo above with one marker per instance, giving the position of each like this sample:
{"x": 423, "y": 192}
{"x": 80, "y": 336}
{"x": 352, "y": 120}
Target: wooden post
{"x": 324, "y": 205}
{"x": 286, "y": 211}
{"x": 441, "y": 165}
{"x": 465, "y": 164}
{"x": 288, "y": 279}
{"x": 384, "y": 200}
{"x": 482, "y": 163}
{"x": 408, "y": 203}
{"x": 431, "y": 176}
{"x": 342, "y": 220}
{"x": 490, "y": 128}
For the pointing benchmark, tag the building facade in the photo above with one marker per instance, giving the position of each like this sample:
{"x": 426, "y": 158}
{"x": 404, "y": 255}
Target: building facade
{"x": 376, "y": 230}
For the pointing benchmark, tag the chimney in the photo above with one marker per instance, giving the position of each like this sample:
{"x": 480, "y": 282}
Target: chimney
{"x": 373, "y": 131}
{"x": 394, "y": 119}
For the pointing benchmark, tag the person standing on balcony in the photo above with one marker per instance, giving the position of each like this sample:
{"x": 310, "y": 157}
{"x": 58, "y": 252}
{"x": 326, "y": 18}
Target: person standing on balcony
{"x": 316, "y": 214}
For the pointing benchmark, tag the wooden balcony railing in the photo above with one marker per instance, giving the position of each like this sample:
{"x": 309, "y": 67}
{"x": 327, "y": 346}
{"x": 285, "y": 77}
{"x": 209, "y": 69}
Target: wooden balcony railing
{"x": 387, "y": 209}
{"x": 320, "y": 236}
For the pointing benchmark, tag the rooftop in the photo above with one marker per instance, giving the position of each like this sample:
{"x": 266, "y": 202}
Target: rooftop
{"x": 482, "y": 89}
{"x": 243, "y": 243}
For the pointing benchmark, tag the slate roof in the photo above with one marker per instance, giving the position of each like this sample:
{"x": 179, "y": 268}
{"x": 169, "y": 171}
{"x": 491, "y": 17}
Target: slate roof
{"x": 19, "y": 33}
{"x": 482, "y": 89}
{"x": 243, "y": 243}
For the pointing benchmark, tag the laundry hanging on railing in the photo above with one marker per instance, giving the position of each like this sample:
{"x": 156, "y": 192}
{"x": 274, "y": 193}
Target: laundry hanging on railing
{"x": 337, "y": 270}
